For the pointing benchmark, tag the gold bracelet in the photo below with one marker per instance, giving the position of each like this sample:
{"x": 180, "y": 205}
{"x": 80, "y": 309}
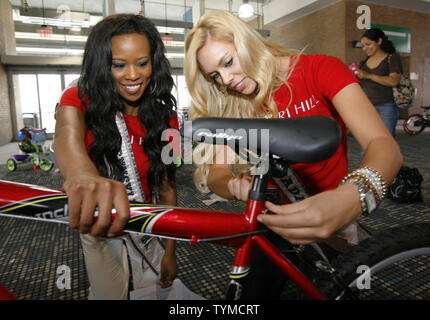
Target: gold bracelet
{"x": 367, "y": 198}
{"x": 357, "y": 176}
{"x": 371, "y": 177}
{"x": 371, "y": 187}
{"x": 376, "y": 179}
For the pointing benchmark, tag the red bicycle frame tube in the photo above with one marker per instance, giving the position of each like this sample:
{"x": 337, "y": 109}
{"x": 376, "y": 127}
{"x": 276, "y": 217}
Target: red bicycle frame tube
{"x": 194, "y": 225}
{"x": 6, "y": 294}
{"x": 243, "y": 254}
{"x": 28, "y": 201}
{"x": 242, "y": 258}
{"x": 285, "y": 265}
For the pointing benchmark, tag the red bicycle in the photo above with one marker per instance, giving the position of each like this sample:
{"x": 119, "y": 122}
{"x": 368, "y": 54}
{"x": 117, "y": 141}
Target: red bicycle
{"x": 311, "y": 139}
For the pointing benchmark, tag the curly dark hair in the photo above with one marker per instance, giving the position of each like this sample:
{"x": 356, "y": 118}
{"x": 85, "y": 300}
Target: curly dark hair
{"x": 98, "y": 84}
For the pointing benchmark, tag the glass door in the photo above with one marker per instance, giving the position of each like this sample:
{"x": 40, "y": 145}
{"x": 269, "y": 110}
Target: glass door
{"x": 26, "y": 100}
{"x": 49, "y": 92}
{"x": 36, "y": 95}
{"x": 69, "y": 77}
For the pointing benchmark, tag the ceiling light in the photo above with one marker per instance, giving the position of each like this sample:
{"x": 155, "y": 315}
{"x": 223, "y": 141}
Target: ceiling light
{"x": 175, "y": 55}
{"x": 54, "y": 22}
{"x": 163, "y": 29}
{"x": 53, "y": 37}
{"x": 86, "y": 21}
{"x": 76, "y": 29}
{"x": 49, "y": 51}
{"x": 246, "y": 10}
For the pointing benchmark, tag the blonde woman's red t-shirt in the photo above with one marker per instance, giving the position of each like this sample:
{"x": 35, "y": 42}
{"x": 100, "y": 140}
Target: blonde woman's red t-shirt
{"x": 315, "y": 80}
{"x": 136, "y": 133}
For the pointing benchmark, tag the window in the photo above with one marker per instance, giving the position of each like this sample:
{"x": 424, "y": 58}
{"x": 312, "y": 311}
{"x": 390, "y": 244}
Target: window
{"x": 36, "y": 94}
{"x": 68, "y": 78}
{"x": 181, "y": 93}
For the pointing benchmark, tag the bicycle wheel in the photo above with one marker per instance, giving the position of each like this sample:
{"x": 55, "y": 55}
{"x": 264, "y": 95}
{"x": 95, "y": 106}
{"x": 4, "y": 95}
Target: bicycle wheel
{"x": 398, "y": 262}
{"x": 414, "y": 124}
{"x": 46, "y": 165}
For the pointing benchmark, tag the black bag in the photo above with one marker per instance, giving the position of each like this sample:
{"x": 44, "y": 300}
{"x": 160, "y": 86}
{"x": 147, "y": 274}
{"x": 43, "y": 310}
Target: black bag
{"x": 406, "y": 186}
{"x": 404, "y": 93}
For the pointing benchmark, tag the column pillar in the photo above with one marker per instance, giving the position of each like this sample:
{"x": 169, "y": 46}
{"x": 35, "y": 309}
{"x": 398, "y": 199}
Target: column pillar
{"x": 7, "y": 47}
{"x": 142, "y": 7}
{"x": 108, "y": 7}
{"x": 198, "y": 10}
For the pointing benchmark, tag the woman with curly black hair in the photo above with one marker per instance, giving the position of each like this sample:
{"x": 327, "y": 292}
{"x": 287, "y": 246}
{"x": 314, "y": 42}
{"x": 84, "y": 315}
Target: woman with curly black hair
{"x": 108, "y": 143}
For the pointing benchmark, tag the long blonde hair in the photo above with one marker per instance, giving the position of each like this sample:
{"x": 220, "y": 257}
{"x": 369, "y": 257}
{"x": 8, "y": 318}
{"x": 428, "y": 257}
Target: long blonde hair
{"x": 259, "y": 60}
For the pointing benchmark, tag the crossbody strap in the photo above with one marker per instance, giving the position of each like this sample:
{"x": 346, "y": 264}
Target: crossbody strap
{"x": 131, "y": 175}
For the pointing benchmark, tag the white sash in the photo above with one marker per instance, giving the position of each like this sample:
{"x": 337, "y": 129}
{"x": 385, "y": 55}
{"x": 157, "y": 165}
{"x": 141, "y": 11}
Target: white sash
{"x": 295, "y": 191}
{"x": 144, "y": 253}
{"x": 131, "y": 175}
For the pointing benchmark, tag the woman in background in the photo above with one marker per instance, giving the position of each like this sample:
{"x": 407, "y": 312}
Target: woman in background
{"x": 379, "y": 73}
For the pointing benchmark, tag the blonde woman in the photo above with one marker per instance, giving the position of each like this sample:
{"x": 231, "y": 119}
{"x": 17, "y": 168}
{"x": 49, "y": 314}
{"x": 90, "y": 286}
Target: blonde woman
{"x": 231, "y": 71}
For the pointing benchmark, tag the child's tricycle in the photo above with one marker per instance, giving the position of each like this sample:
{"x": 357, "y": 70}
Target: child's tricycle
{"x": 32, "y": 145}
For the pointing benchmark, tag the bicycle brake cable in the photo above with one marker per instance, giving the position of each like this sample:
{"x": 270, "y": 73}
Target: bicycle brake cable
{"x": 328, "y": 267}
{"x": 238, "y": 235}
{"x": 321, "y": 253}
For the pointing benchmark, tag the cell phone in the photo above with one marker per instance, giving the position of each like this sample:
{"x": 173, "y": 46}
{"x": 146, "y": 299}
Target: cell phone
{"x": 354, "y": 69}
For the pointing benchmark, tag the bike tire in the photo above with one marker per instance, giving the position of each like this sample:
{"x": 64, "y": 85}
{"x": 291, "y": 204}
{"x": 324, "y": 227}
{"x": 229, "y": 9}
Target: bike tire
{"x": 410, "y": 124}
{"x": 11, "y": 164}
{"x": 387, "y": 254}
{"x": 46, "y": 165}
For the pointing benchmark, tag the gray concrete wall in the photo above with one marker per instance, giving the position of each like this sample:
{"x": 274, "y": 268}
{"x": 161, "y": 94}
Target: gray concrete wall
{"x": 7, "y": 47}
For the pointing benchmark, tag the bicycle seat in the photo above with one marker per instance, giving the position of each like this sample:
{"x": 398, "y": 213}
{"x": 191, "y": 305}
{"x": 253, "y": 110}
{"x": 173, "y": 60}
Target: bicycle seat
{"x": 306, "y": 140}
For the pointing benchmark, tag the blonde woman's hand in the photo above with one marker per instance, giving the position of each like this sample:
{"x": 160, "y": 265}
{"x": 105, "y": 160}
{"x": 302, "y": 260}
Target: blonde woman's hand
{"x": 86, "y": 193}
{"x": 315, "y": 218}
{"x": 239, "y": 186}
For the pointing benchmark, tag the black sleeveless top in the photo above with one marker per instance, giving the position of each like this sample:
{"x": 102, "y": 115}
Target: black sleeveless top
{"x": 376, "y": 92}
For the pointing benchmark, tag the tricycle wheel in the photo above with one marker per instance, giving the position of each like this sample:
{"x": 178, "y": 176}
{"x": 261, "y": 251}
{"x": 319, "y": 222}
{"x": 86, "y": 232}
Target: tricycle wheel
{"x": 46, "y": 165}
{"x": 11, "y": 164}
{"x": 414, "y": 124}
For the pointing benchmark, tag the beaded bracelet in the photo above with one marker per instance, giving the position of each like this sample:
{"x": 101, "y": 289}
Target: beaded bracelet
{"x": 376, "y": 179}
{"x": 371, "y": 177}
{"x": 368, "y": 204}
{"x": 363, "y": 180}
{"x": 371, "y": 185}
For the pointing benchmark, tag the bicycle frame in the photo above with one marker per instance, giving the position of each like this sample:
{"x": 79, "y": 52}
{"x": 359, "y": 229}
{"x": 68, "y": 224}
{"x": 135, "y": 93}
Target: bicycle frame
{"x": 236, "y": 230}
{"x": 6, "y": 294}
